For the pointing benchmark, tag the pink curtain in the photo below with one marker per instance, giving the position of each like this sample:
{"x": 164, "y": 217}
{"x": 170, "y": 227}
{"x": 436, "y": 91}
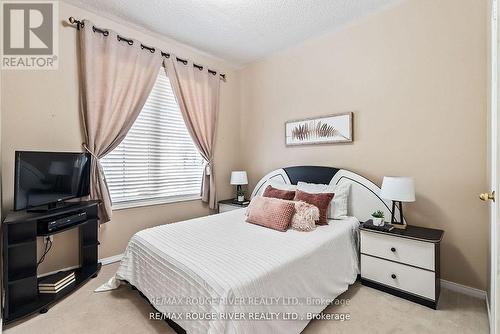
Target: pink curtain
{"x": 117, "y": 78}
{"x": 197, "y": 92}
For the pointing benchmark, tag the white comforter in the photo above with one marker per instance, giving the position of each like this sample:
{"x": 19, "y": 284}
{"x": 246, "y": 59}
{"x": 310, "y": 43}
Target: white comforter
{"x": 219, "y": 266}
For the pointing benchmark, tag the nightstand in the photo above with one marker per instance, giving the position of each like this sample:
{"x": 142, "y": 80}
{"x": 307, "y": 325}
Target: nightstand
{"x": 404, "y": 263}
{"x": 230, "y": 204}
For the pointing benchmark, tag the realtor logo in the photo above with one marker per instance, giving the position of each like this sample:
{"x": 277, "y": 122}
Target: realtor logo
{"x": 29, "y": 35}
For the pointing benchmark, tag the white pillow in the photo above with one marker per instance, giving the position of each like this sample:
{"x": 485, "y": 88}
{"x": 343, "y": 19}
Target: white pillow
{"x": 338, "y": 205}
{"x": 340, "y": 201}
{"x": 281, "y": 186}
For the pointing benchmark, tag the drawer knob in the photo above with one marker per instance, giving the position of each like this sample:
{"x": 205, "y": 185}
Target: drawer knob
{"x": 393, "y": 276}
{"x": 393, "y": 249}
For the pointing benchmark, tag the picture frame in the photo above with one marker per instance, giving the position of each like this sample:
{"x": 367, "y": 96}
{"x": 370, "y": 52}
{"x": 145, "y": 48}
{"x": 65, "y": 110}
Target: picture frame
{"x": 329, "y": 129}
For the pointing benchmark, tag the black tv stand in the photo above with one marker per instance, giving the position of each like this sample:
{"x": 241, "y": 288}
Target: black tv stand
{"x": 51, "y": 207}
{"x": 19, "y": 247}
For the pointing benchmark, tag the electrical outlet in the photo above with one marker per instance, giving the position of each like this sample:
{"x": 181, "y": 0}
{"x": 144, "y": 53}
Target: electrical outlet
{"x": 49, "y": 238}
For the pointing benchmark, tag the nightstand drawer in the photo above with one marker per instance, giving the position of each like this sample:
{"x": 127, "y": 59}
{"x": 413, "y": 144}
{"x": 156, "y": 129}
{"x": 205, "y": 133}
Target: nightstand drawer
{"x": 399, "y": 276}
{"x": 413, "y": 252}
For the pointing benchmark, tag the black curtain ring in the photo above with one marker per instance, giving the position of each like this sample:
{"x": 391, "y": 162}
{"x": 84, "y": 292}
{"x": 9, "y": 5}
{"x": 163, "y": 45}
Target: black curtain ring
{"x": 105, "y": 33}
{"x": 152, "y": 50}
{"x": 93, "y": 28}
{"x": 130, "y": 42}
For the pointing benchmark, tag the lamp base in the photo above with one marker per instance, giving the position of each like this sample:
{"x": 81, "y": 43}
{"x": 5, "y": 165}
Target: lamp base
{"x": 239, "y": 199}
{"x": 399, "y": 226}
{"x": 240, "y": 195}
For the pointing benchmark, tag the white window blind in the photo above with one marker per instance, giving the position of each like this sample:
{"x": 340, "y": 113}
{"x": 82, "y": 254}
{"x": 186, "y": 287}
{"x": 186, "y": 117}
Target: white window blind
{"x": 157, "y": 159}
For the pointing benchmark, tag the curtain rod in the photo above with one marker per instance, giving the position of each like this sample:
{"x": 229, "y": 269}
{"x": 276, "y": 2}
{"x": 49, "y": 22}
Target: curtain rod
{"x": 79, "y": 24}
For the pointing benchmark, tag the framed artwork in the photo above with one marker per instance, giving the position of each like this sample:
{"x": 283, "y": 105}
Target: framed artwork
{"x": 320, "y": 130}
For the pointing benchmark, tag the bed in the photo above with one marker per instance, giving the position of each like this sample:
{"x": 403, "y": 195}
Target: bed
{"x": 219, "y": 274}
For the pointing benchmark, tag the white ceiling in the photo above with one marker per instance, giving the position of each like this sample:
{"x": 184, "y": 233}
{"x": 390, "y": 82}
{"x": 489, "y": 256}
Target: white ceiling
{"x": 240, "y": 31}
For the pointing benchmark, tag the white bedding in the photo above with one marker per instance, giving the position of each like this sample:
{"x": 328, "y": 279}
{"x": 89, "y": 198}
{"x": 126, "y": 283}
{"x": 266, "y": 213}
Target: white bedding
{"x": 220, "y": 261}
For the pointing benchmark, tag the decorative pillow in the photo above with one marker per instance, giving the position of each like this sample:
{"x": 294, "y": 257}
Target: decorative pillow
{"x": 338, "y": 206}
{"x": 338, "y": 209}
{"x": 271, "y": 212}
{"x": 320, "y": 200}
{"x": 277, "y": 193}
{"x": 305, "y": 216}
{"x": 282, "y": 186}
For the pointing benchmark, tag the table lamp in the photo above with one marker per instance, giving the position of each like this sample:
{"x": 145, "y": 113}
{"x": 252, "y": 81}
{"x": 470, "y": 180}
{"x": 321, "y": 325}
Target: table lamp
{"x": 398, "y": 189}
{"x": 239, "y": 178}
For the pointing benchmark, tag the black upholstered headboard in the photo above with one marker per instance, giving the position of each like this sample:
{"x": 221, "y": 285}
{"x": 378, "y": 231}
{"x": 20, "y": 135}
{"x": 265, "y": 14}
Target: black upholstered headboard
{"x": 310, "y": 174}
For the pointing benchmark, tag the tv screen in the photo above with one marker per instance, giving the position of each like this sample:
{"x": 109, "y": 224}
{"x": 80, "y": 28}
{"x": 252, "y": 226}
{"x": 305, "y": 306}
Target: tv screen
{"x": 49, "y": 177}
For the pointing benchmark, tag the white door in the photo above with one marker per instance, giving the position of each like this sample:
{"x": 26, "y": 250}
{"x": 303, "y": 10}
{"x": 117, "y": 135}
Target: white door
{"x": 494, "y": 293}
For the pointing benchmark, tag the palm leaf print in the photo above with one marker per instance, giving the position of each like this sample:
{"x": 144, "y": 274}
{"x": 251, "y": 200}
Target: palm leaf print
{"x": 315, "y": 130}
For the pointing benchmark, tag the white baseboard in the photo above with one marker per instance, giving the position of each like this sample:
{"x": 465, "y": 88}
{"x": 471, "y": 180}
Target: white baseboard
{"x": 466, "y": 290}
{"x": 111, "y": 259}
{"x": 490, "y": 320}
{"x": 104, "y": 261}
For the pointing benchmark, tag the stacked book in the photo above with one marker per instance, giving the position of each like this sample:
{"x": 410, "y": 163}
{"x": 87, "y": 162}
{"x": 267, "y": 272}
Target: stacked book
{"x": 384, "y": 228}
{"x": 245, "y": 202}
{"x": 56, "y": 283}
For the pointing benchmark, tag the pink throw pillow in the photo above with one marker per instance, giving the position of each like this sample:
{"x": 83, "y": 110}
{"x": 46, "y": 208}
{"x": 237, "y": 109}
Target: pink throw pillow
{"x": 271, "y": 212}
{"x": 270, "y": 191}
{"x": 321, "y": 201}
{"x": 305, "y": 217}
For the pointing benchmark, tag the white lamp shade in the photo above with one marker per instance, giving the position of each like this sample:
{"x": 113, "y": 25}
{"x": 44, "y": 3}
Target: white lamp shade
{"x": 239, "y": 177}
{"x": 398, "y": 188}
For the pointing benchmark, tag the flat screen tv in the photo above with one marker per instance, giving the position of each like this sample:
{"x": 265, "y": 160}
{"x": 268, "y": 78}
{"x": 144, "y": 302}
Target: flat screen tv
{"x": 45, "y": 180}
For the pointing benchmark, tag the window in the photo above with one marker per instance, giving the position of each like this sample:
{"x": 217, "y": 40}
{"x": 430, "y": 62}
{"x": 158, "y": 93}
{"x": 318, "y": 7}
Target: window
{"x": 157, "y": 161}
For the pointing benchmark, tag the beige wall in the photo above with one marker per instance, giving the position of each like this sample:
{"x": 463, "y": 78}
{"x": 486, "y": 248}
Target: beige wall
{"x": 415, "y": 76}
{"x": 40, "y": 112}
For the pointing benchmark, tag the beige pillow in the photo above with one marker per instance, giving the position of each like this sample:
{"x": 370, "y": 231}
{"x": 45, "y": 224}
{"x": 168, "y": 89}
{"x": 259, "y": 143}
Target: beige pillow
{"x": 305, "y": 216}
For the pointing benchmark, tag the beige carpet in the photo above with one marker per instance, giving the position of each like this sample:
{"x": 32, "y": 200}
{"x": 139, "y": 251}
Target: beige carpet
{"x": 371, "y": 311}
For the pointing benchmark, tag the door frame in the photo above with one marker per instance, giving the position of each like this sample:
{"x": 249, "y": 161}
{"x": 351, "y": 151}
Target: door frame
{"x": 492, "y": 297}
